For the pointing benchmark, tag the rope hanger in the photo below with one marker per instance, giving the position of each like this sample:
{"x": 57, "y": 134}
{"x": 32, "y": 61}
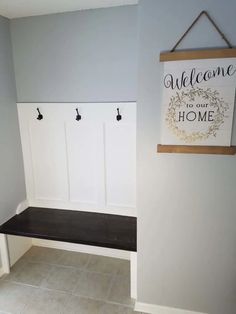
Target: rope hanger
{"x": 193, "y": 24}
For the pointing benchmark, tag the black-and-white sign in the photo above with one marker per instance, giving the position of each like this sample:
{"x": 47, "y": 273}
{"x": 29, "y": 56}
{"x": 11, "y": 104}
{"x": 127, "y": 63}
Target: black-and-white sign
{"x": 198, "y": 101}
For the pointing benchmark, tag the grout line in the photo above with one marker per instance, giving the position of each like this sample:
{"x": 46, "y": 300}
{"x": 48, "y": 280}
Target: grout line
{"x": 90, "y": 272}
{"x": 101, "y": 300}
{"x": 112, "y": 282}
{"x": 57, "y": 265}
{"x": 46, "y": 277}
{"x": 82, "y": 268}
{"x": 70, "y": 293}
{"x": 120, "y": 304}
{"x": 21, "y": 283}
{"x": 73, "y": 290}
{"x": 111, "y": 285}
{"x": 88, "y": 261}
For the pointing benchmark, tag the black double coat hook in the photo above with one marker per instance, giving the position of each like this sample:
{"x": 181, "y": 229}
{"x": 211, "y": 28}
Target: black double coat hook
{"x": 40, "y": 116}
{"x": 78, "y": 116}
{"x": 119, "y": 116}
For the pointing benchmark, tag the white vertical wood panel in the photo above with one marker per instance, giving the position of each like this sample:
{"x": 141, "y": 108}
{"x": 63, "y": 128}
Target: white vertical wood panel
{"x": 120, "y": 156}
{"x": 84, "y": 142}
{"x": 48, "y": 149}
{"x": 24, "y": 118}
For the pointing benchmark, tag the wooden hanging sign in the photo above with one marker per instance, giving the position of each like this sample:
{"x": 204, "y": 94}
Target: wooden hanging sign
{"x": 198, "y": 97}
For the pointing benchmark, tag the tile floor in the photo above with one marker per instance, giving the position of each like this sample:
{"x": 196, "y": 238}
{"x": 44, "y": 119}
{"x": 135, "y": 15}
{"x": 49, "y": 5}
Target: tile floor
{"x": 49, "y": 281}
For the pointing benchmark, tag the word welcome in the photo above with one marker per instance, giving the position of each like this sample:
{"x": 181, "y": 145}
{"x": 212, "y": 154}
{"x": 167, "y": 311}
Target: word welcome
{"x": 195, "y": 77}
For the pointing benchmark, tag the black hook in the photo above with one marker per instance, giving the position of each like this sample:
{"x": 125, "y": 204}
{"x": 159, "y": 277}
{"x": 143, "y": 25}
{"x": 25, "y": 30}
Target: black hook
{"x": 78, "y": 116}
{"x": 119, "y": 116}
{"x": 40, "y": 116}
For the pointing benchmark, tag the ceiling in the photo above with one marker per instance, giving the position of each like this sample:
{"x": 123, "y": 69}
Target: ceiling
{"x": 22, "y": 8}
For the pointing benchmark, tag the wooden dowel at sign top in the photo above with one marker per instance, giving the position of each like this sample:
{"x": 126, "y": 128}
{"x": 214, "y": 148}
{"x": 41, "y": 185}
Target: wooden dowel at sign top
{"x": 198, "y": 54}
{"x": 186, "y": 149}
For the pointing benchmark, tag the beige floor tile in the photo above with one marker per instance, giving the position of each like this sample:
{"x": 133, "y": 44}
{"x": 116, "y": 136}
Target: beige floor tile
{"x": 116, "y": 309}
{"x": 103, "y": 264}
{"x": 44, "y": 255}
{"x": 14, "y": 270}
{"x": 73, "y": 259}
{"x": 120, "y": 291}
{"x": 70, "y": 283}
{"x": 14, "y": 297}
{"x": 61, "y": 278}
{"x": 124, "y": 268}
{"x": 93, "y": 285}
{"x": 80, "y": 305}
{"x": 29, "y": 273}
{"x": 47, "y": 302}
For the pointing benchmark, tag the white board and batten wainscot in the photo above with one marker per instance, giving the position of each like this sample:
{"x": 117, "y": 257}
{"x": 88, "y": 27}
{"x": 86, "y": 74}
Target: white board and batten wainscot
{"x": 87, "y": 165}
{"x": 84, "y": 165}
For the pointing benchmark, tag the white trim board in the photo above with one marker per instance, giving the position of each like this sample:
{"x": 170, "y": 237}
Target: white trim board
{"x": 4, "y": 253}
{"x": 74, "y": 206}
{"x": 89, "y": 249}
{"x": 133, "y": 275}
{"x": 158, "y": 309}
{"x": 17, "y": 247}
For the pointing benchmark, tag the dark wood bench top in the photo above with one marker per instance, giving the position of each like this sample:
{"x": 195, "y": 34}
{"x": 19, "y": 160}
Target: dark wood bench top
{"x": 105, "y": 230}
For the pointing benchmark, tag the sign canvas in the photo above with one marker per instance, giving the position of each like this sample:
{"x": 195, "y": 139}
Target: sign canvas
{"x": 198, "y": 102}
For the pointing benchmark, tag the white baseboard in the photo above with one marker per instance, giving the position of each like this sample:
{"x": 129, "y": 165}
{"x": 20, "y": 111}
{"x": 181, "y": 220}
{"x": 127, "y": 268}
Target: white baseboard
{"x": 157, "y": 309}
{"x": 133, "y": 275}
{"x": 82, "y": 248}
{"x": 22, "y": 206}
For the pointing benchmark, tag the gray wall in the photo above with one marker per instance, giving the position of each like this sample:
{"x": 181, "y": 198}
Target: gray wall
{"x": 81, "y": 56}
{"x": 12, "y": 186}
{"x": 186, "y": 203}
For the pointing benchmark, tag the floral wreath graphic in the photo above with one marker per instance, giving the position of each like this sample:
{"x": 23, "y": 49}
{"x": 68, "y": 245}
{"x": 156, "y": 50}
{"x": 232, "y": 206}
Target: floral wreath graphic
{"x": 182, "y": 98}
